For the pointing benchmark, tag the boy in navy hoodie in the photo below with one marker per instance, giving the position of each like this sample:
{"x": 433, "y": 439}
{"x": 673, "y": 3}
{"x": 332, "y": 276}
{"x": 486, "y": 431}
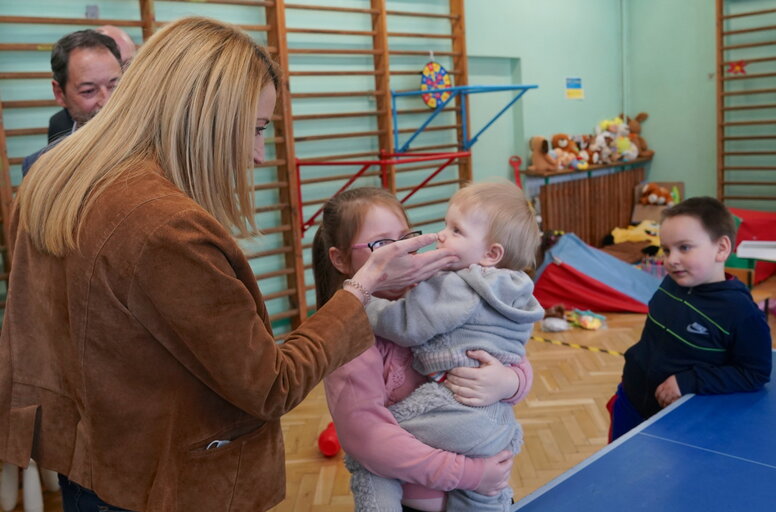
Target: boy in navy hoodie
{"x": 703, "y": 333}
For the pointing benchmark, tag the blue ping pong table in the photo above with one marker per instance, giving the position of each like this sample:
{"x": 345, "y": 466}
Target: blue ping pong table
{"x": 709, "y": 453}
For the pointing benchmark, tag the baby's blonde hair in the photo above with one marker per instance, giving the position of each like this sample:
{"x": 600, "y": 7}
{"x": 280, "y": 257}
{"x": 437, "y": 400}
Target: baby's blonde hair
{"x": 510, "y": 218}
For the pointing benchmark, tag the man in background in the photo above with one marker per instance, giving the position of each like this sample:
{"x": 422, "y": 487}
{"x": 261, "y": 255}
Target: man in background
{"x": 62, "y": 123}
{"x": 86, "y": 67}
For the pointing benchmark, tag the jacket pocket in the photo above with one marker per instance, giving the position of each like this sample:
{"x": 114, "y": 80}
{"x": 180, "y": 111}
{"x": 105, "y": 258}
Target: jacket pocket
{"x": 209, "y": 477}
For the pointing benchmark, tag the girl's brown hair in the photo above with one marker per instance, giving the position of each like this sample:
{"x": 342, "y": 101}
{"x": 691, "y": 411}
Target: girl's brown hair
{"x": 343, "y": 216}
{"x": 186, "y": 105}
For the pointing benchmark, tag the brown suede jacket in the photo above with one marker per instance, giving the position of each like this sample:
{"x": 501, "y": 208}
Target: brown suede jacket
{"x": 122, "y": 361}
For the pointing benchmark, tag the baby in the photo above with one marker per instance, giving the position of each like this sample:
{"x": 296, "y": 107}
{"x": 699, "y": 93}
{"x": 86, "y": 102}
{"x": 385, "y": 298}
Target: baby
{"x": 485, "y": 303}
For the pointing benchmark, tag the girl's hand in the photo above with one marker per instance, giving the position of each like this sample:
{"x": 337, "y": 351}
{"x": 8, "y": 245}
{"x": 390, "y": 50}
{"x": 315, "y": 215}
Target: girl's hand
{"x": 397, "y": 265}
{"x": 668, "y": 392}
{"x": 486, "y": 385}
{"x": 496, "y": 475}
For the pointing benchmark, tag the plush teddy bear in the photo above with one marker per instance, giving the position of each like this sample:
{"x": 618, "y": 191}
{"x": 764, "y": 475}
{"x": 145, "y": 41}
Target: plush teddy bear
{"x": 564, "y": 142}
{"x": 652, "y": 193}
{"x": 634, "y": 125}
{"x": 566, "y": 152}
{"x": 540, "y": 155}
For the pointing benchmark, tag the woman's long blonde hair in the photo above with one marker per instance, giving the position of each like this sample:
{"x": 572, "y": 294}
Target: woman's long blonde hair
{"x": 186, "y": 104}
{"x": 343, "y": 216}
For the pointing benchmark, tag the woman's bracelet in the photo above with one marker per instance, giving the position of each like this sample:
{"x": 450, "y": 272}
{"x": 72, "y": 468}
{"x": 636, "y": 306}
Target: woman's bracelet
{"x": 360, "y": 287}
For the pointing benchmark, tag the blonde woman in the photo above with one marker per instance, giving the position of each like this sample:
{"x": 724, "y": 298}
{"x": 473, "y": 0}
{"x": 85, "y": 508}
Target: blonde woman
{"x": 136, "y": 356}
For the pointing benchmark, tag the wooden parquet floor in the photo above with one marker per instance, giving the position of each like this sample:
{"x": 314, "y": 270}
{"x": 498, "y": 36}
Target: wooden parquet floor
{"x": 564, "y": 419}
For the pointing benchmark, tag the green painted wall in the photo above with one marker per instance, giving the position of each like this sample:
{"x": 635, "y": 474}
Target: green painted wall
{"x": 670, "y": 75}
{"x": 545, "y": 42}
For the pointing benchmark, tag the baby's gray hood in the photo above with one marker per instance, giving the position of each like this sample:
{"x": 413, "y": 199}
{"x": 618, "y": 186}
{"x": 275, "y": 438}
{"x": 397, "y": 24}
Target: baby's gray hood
{"x": 510, "y": 292}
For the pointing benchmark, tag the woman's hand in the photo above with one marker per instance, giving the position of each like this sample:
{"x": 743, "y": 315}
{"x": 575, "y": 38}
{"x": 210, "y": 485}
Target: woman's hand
{"x": 397, "y": 265}
{"x": 496, "y": 475}
{"x": 485, "y": 385}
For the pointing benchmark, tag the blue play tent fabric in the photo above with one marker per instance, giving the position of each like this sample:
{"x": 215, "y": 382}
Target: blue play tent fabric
{"x": 580, "y": 276}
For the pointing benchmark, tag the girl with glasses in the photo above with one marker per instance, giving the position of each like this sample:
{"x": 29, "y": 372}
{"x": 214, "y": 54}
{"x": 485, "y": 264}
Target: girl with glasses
{"x": 356, "y": 224}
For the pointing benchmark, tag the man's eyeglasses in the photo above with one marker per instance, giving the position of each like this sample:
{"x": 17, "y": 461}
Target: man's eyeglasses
{"x": 386, "y": 241}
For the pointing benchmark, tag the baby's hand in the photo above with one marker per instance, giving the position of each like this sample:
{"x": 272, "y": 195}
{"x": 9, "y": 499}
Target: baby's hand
{"x": 485, "y": 385}
{"x": 668, "y": 392}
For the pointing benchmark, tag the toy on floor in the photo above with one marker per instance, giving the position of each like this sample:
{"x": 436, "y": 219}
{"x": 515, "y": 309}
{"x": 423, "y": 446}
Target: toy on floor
{"x": 328, "y": 443}
{"x": 586, "y": 319}
{"x": 555, "y": 319}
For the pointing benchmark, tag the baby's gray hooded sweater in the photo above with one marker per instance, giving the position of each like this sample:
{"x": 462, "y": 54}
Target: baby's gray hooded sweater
{"x": 475, "y": 308}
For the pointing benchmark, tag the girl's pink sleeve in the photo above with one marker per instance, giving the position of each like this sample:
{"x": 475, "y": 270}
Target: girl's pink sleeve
{"x": 524, "y": 372}
{"x": 368, "y": 432}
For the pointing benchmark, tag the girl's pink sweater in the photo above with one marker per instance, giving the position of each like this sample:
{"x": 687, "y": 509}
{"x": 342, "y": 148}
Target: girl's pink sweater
{"x": 358, "y": 395}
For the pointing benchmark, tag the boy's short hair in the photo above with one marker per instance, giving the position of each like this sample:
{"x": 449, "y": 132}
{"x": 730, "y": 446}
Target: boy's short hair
{"x": 714, "y": 216}
{"x": 510, "y": 217}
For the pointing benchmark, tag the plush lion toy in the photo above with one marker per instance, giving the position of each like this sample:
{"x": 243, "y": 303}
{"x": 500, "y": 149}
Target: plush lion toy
{"x": 540, "y": 155}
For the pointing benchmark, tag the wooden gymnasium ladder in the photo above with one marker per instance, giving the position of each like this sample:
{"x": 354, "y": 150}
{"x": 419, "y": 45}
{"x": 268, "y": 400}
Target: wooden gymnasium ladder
{"x": 286, "y": 300}
{"x": 364, "y": 44}
{"x": 375, "y": 43}
{"x": 746, "y": 105}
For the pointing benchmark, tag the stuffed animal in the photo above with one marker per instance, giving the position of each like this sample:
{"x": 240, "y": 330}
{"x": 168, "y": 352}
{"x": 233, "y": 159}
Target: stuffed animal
{"x": 626, "y": 148}
{"x": 566, "y": 152}
{"x": 613, "y": 126}
{"x": 645, "y": 231}
{"x": 565, "y": 159}
{"x": 564, "y": 142}
{"x": 586, "y": 319}
{"x": 555, "y": 319}
{"x": 540, "y": 155}
{"x": 652, "y": 193}
{"x": 634, "y": 125}
{"x": 586, "y": 155}
{"x": 603, "y": 144}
